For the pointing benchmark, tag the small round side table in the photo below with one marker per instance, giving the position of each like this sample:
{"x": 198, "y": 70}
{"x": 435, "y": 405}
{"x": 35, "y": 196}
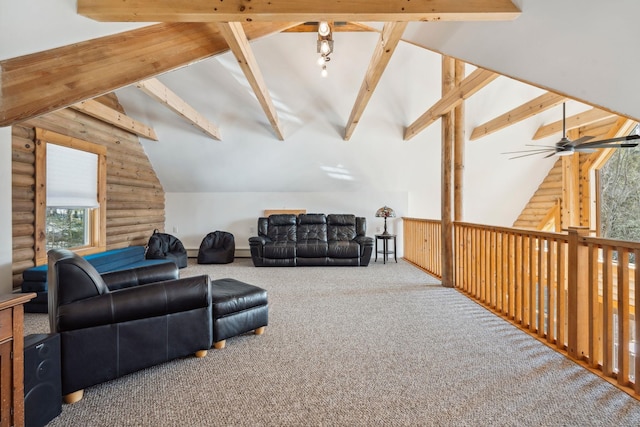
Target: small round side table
{"x": 386, "y": 250}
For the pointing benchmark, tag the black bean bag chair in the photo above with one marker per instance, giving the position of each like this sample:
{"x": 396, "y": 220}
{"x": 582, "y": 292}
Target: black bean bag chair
{"x": 217, "y": 247}
{"x": 166, "y": 246}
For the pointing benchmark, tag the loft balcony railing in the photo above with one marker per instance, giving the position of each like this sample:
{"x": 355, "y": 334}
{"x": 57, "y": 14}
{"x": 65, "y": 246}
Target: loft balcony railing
{"x": 574, "y": 292}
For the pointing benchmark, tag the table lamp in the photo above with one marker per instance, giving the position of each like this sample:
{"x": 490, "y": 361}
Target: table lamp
{"x": 385, "y": 212}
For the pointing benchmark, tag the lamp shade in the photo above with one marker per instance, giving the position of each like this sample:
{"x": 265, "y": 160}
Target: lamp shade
{"x": 385, "y": 212}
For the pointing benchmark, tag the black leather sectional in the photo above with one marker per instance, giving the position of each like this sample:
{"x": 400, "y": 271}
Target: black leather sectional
{"x": 288, "y": 240}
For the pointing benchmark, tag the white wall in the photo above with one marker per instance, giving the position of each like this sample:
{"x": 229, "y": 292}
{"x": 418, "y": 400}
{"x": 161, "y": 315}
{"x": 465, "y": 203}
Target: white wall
{"x": 6, "y": 256}
{"x": 190, "y": 216}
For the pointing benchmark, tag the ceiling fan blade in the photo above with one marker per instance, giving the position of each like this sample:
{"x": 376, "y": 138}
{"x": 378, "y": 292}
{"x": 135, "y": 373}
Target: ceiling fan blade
{"x": 581, "y": 140}
{"x": 531, "y": 154}
{"x": 537, "y": 150}
{"x": 550, "y": 155}
{"x": 606, "y": 143}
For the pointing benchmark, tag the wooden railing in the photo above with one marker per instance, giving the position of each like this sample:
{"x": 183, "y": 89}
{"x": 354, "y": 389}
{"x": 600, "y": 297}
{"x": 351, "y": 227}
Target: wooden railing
{"x": 574, "y": 292}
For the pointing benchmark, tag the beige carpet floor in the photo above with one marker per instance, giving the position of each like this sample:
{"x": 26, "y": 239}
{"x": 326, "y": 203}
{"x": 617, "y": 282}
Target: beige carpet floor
{"x": 383, "y": 345}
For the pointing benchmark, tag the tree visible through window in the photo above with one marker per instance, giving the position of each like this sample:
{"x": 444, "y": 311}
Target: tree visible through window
{"x": 620, "y": 195}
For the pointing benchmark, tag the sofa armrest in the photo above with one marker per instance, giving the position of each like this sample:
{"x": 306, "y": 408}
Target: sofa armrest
{"x": 364, "y": 240}
{"x": 258, "y": 240}
{"x": 140, "y": 275}
{"x": 141, "y": 302}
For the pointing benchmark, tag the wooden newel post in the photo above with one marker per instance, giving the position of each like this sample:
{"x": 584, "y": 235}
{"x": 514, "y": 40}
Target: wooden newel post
{"x": 577, "y": 294}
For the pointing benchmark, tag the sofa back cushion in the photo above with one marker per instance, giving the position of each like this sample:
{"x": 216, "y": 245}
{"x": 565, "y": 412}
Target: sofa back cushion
{"x": 341, "y": 227}
{"x": 312, "y": 227}
{"x": 282, "y": 228}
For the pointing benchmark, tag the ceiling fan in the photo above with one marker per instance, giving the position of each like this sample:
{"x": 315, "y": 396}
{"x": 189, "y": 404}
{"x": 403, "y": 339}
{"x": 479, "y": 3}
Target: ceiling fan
{"x": 566, "y": 147}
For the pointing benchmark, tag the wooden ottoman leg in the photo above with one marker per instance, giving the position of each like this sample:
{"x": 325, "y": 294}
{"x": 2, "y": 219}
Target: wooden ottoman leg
{"x": 74, "y": 397}
{"x": 220, "y": 344}
{"x": 201, "y": 353}
{"x": 259, "y": 331}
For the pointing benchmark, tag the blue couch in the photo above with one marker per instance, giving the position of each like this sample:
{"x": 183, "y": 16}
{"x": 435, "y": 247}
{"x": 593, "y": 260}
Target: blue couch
{"x": 35, "y": 278}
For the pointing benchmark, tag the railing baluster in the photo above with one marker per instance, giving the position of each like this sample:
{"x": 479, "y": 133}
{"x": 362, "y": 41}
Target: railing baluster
{"x": 623, "y": 316}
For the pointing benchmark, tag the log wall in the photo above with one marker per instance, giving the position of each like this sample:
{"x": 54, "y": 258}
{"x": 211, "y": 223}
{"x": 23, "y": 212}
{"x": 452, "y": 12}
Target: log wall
{"x": 135, "y": 197}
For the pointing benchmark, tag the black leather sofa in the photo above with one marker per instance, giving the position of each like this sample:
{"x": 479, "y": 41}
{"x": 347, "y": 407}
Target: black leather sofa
{"x": 311, "y": 240}
{"x": 120, "y": 322}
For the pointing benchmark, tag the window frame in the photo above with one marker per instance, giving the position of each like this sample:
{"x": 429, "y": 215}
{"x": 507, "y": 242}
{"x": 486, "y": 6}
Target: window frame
{"x": 98, "y": 227}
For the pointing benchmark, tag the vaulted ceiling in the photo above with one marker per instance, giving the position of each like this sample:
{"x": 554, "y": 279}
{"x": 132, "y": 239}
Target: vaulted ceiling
{"x": 245, "y": 73}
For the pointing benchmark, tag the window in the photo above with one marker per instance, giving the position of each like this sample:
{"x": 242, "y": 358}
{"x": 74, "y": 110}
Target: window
{"x": 619, "y": 195}
{"x": 72, "y": 191}
{"x": 70, "y": 195}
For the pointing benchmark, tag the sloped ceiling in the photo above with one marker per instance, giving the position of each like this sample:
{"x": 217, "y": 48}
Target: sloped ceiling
{"x": 584, "y": 49}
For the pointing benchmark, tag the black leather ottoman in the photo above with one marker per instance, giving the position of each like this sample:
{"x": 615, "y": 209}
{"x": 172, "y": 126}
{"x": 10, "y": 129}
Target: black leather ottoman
{"x": 237, "y": 308}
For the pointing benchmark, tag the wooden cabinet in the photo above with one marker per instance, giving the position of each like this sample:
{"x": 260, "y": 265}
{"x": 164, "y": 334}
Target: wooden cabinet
{"x": 12, "y": 359}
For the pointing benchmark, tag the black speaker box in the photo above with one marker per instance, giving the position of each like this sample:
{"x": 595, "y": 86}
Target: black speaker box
{"x": 42, "y": 386}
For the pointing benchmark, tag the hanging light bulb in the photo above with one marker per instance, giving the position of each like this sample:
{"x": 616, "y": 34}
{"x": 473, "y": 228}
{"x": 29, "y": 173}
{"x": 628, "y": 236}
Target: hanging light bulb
{"x": 321, "y": 60}
{"x": 324, "y": 72}
{"x": 323, "y": 28}
{"x": 324, "y": 47}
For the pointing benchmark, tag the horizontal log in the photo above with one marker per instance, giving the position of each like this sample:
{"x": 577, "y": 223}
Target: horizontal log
{"x": 22, "y": 242}
{"x": 22, "y": 131}
{"x": 20, "y": 180}
{"x": 535, "y": 211}
{"x": 23, "y": 156}
{"x": 139, "y": 238}
{"x": 23, "y": 254}
{"x": 23, "y": 168}
{"x": 22, "y": 230}
{"x": 20, "y": 266}
{"x": 23, "y": 193}
{"x": 22, "y": 218}
{"x": 134, "y": 229}
{"x": 133, "y": 182}
{"x": 22, "y": 206}
{"x": 544, "y": 198}
{"x": 23, "y": 144}
{"x": 140, "y": 198}
{"x": 123, "y": 205}
{"x": 113, "y": 189}
{"x": 121, "y": 222}
{"x": 551, "y": 184}
{"x": 127, "y": 213}
{"x": 143, "y": 174}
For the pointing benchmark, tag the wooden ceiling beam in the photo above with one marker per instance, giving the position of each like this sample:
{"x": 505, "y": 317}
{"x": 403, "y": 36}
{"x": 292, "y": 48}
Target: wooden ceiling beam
{"x": 581, "y": 119}
{"x": 115, "y": 118}
{"x": 523, "y": 112}
{"x": 39, "y": 83}
{"x": 301, "y": 10}
{"x": 237, "y": 40}
{"x": 468, "y": 87}
{"x": 389, "y": 38}
{"x": 158, "y": 91}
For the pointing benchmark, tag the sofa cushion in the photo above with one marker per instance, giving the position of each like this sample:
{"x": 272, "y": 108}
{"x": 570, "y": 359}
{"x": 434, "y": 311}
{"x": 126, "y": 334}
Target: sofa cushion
{"x": 280, "y": 250}
{"x": 282, "y": 228}
{"x": 312, "y": 227}
{"x": 312, "y": 248}
{"x": 343, "y": 249}
{"x": 341, "y": 227}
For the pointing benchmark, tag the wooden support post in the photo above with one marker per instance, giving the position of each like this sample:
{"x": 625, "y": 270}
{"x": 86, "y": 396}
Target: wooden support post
{"x": 448, "y": 131}
{"x": 578, "y": 294}
{"x": 458, "y": 152}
